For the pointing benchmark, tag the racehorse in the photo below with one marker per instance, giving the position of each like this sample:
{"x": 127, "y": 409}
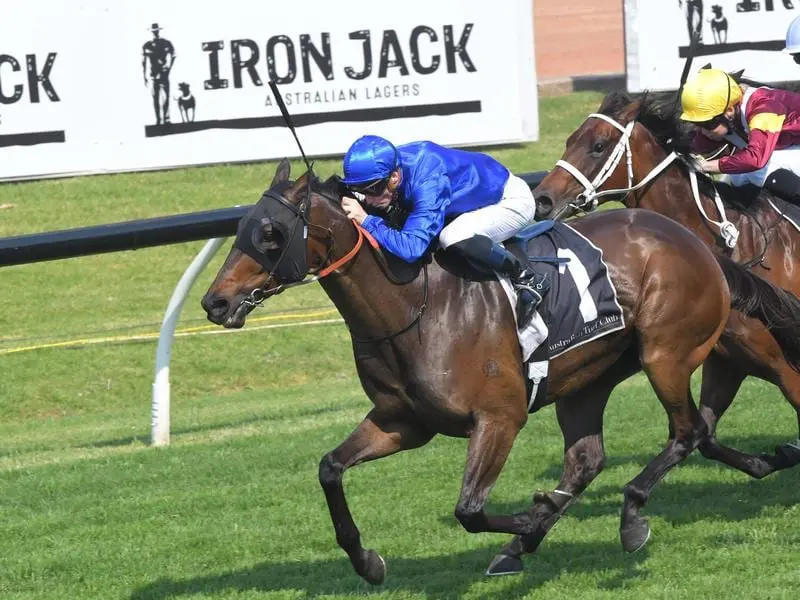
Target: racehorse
{"x": 439, "y": 353}
{"x": 657, "y": 144}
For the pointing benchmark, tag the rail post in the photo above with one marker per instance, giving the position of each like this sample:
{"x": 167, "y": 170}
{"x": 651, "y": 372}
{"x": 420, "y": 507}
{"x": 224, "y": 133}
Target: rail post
{"x": 160, "y": 410}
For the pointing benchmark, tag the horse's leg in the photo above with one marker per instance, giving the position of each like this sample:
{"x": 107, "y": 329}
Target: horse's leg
{"x": 378, "y": 435}
{"x": 489, "y": 445}
{"x": 492, "y": 436}
{"x": 721, "y": 380}
{"x": 787, "y": 454}
{"x": 581, "y": 422}
{"x": 670, "y": 380}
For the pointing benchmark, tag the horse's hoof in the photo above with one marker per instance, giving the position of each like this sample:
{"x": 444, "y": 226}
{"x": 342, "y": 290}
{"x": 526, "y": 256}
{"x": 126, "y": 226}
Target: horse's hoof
{"x": 502, "y": 564}
{"x": 635, "y": 535}
{"x": 787, "y": 455}
{"x": 374, "y": 568}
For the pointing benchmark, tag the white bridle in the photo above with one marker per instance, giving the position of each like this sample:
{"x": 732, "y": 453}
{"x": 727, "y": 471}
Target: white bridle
{"x": 587, "y": 199}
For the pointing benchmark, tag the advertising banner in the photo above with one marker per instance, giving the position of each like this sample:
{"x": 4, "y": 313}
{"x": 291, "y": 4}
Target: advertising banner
{"x": 103, "y": 86}
{"x": 734, "y": 34}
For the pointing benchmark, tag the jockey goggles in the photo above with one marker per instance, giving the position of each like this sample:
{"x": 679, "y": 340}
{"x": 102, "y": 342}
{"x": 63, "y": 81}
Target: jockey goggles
{"x": 370, "y": 188}
{"x": 713, "y": 123}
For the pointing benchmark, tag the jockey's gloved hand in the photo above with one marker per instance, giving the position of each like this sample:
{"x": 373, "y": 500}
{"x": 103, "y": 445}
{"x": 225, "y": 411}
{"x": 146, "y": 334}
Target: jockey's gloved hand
{"x": 393, "y": 215}
{"x": 700, "y": 162}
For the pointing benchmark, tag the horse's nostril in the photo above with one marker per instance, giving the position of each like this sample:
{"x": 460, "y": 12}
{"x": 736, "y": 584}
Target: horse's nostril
{"x": 544, "y": 205}
{"x": 220, "y": 306}
{"x": 215, "y": 306}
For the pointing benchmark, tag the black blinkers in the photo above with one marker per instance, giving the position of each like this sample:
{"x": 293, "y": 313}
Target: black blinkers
{"x": 274, "y": 234}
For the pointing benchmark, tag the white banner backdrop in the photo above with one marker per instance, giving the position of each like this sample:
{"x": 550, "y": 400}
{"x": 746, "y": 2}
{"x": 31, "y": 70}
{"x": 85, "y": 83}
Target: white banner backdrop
{"x": 735, "y": 34}
{"x": 104, "y": 86}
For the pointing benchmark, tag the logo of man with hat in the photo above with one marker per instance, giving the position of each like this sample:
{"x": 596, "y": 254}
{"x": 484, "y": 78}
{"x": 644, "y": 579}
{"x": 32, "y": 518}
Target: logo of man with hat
{"x": 161, "y": 55}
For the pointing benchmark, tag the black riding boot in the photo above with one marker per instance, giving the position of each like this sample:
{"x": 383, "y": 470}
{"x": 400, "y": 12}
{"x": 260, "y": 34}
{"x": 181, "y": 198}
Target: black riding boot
{"x": 785, "y": 184}
{"x": 531, "y": 287}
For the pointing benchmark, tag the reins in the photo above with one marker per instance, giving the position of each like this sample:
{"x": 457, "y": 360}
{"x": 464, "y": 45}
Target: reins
{"x": 362, "y": 234}
{"x": 259, "y": 295}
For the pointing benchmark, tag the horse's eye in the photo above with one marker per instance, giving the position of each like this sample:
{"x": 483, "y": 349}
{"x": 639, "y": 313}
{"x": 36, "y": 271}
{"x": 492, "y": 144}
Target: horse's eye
{"x": 273, "y": 243}
{"x": 269, "y": 239}
{"x": 266, "y": 228}
{"x": 598, "y": 147}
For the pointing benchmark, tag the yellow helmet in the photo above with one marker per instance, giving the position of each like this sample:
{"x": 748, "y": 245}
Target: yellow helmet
{"x": 708, "y": 94}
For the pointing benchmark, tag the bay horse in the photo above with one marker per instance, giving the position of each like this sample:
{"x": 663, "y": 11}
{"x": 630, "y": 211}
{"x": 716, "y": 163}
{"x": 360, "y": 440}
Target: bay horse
{"x": 439, "y": 353}
{"x": 657, "y": 145}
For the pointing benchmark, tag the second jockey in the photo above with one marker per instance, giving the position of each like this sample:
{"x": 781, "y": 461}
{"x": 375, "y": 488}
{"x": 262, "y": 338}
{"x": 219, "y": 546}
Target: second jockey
{"x": 763, "y": 123}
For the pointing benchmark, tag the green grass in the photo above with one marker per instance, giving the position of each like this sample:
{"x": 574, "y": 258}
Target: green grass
{"x": 232, "y": 509}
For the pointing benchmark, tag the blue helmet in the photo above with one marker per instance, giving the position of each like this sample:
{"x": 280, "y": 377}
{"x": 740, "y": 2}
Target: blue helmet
{"x": 793, "y": 37}
{"x": 370, "y": 158}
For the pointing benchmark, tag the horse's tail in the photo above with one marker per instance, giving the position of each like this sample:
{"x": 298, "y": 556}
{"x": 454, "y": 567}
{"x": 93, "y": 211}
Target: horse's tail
{"x": 776, "y": 308}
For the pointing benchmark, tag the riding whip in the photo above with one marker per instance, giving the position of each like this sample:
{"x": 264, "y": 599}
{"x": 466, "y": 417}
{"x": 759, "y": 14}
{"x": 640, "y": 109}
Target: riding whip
{"x": 288, "y": 118}
{"x": 686, "y": 66}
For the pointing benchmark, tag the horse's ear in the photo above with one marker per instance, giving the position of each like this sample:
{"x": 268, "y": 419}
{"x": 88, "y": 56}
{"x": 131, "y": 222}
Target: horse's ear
{"x": 293, "y": 193}
{"x": 281, "y": 173}
{"x": 737, "y": 75}
{"x": 631, "y": 112}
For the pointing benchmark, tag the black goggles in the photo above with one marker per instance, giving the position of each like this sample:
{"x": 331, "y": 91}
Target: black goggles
{"x": 370, "y": 188}
{"x": 713, "y": 123}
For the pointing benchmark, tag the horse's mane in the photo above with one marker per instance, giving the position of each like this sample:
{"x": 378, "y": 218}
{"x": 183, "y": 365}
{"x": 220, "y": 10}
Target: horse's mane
{"x": 658, "y": 113}
{"x": 330, "y": 188}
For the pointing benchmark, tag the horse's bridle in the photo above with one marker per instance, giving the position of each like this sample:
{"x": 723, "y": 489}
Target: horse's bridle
{"x": 313, "y": 274}
{"x": 586, "y": 201}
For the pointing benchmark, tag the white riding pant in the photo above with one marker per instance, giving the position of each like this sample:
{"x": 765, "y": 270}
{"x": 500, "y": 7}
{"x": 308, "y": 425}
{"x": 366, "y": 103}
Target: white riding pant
{"x": 500, "y": 221}
{"x": 787, "y": 158}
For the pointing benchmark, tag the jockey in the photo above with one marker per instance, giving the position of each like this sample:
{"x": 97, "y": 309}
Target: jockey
{"x": 468, "y": 199}
{"x": 763, "y": 123}
{"x": 793, "y": 40}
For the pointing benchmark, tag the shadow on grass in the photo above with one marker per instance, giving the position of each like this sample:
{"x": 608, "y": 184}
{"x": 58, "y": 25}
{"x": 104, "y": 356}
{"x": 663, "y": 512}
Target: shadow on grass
{"x": 449, "y": 576}
{"x": 755, "y": 444}
{"x": 679, "y": 502}
{"x": 682, "y": 502}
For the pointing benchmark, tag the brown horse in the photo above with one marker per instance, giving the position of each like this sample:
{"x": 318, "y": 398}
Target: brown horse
{"x": 440, "y": 354}
{"x": 767, "y": 243}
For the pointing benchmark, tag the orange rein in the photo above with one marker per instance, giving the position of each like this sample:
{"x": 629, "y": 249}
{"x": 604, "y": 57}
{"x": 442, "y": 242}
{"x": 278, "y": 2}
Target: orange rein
{"x": 362, "y": 233}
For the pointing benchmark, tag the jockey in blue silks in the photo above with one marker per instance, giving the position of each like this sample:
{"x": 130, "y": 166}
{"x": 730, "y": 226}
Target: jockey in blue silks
{"x": 481, "y": 201}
